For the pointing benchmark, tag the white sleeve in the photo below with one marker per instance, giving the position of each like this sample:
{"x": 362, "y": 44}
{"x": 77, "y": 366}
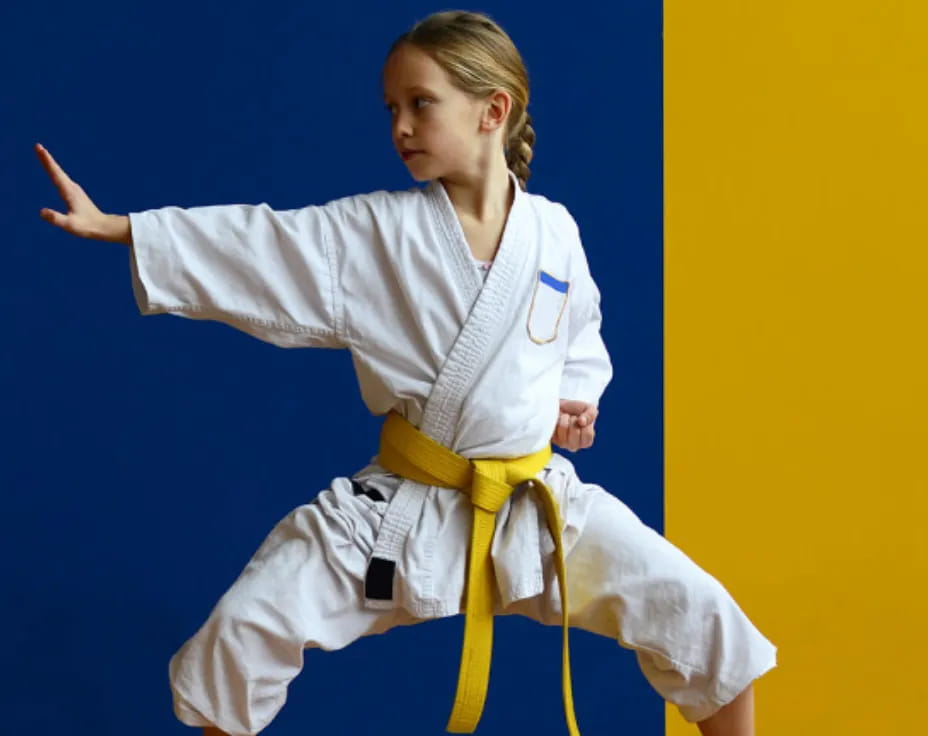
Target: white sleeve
{"x": 587, "y": 368}
{"x": 271, "y": 274}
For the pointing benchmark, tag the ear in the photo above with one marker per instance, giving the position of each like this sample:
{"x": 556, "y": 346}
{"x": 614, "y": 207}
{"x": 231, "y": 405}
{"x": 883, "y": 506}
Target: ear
{"x": 497, "y": 107}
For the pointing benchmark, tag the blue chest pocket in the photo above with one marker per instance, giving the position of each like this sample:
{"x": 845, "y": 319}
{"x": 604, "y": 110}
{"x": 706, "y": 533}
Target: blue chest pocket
{"x": 549, "y": 299}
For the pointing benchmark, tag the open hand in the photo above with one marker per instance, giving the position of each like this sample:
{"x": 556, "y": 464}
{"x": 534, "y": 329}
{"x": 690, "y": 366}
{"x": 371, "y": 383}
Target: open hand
{"x": 84, "y": 219}
{"x": 574, "y": 429}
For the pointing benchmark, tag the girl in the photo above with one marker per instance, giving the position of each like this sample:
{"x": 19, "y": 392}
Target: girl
{"x": 477, "y": 369}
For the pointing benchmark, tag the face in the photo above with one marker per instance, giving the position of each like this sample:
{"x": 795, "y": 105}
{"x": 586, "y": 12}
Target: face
{"x": 450, "y": 130}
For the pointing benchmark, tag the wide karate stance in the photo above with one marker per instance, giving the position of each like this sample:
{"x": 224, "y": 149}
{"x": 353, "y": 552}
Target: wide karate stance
{"x": 477, "y": 369}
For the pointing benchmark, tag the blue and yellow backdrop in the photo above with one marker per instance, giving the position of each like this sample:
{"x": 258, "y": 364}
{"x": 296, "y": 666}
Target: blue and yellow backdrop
{"x": 749, "y": 183}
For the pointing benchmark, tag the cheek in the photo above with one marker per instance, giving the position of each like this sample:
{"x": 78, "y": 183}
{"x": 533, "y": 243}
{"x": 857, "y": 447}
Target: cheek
{"x": 453, "y": 139}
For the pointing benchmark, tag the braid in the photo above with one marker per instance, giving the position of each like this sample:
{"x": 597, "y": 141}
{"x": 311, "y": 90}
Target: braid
{"x": 519, "y": 149}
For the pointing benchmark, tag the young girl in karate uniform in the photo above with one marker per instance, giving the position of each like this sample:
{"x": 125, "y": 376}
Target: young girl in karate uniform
{"x": 465, "y": 508}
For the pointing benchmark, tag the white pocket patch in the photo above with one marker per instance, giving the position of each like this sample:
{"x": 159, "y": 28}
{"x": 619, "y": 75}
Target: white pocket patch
{"x": 547, "y": 308}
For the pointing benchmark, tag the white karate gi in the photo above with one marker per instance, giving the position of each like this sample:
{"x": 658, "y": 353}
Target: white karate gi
{"x": 477, "y": 365}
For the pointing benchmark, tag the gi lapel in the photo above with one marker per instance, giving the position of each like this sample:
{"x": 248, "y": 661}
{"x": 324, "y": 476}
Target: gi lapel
{"x": 491, "y": 301}
{"x": 483, "y": 323}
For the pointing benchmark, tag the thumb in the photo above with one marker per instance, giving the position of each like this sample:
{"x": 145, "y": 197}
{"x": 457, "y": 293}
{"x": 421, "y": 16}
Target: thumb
{"x": 588, "y": 416}
{"x": 572, "y": 407}
{"x": 55, "y": 218}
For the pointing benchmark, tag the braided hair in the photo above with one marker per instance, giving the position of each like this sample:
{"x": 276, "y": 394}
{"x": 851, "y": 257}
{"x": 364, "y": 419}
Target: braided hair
{"x": 480, "y": 58}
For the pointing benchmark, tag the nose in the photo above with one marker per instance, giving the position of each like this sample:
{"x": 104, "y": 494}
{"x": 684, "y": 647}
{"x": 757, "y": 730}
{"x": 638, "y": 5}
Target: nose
{"x": 402, "y": 127}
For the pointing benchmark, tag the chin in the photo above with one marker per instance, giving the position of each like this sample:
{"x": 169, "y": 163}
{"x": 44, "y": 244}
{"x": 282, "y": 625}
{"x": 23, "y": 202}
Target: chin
{"x": 418, "y": 174}
{"x": 421, "y": 169}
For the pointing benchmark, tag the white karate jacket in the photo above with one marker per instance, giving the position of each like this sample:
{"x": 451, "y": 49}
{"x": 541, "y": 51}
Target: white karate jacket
{"x": 479, "y": 366}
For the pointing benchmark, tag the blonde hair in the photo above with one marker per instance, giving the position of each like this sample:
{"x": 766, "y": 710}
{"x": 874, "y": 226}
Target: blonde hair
{"x": 480, "y": 58}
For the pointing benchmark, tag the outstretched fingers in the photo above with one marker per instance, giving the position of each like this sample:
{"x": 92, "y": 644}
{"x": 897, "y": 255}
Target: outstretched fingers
{"x": 83, "y": 217}
{"x": 61, "y": 180}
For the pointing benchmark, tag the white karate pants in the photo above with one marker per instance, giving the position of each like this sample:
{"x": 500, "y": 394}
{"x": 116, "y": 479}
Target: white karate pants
{"x": 305, "y": 585}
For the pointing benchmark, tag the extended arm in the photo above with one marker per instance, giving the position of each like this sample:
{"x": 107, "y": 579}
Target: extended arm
{"x": 271, "y": 274}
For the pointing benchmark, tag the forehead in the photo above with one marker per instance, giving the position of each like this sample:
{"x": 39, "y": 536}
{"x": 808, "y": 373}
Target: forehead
{"x": 410, "y": 70}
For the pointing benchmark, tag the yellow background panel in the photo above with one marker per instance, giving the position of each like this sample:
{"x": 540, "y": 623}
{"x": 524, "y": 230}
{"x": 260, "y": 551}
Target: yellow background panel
{"x": 796, "y": 366}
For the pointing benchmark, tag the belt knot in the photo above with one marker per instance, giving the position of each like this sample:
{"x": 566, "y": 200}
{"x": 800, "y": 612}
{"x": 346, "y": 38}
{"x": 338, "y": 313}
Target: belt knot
{"x": 489, "y": 487}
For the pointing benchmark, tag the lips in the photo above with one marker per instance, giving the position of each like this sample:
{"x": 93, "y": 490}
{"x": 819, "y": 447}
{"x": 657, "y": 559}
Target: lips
{"x": 408, "y": 154}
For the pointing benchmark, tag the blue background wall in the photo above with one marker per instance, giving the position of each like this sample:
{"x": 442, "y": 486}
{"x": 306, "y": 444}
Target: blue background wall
{"x": 145, "y": 460}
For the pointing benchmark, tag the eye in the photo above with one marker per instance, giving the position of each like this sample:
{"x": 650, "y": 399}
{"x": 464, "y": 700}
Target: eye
{"x": 389, "y": 108}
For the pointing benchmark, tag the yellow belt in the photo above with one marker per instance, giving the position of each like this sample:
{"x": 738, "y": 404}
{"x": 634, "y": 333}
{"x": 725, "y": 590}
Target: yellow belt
{"x": 406, "y": 451}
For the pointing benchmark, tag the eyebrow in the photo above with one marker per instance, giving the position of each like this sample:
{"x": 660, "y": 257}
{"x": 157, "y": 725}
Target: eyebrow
{"x": 415, "y": 88}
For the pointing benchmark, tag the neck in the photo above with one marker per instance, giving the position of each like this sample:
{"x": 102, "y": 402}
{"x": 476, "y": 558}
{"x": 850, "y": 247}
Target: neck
{"x": 484, "y": 196}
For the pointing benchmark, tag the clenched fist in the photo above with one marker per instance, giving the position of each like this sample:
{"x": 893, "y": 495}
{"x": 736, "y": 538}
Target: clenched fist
{"x": 574, "y": 429}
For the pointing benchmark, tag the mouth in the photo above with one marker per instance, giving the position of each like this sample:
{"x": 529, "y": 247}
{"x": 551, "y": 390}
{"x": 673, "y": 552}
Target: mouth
{"x": 409, "y": 154}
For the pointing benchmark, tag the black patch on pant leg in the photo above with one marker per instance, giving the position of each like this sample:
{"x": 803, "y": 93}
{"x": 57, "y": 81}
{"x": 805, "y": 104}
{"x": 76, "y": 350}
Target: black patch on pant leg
{"x": 378, "y": 585}
{"x": 360, "y": 490}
